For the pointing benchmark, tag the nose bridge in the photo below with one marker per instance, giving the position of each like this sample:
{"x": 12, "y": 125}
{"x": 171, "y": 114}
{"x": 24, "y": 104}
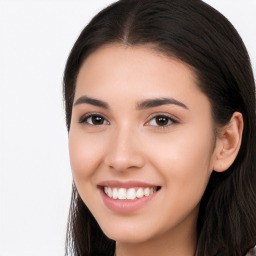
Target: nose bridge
{"x": 124, "y": 150}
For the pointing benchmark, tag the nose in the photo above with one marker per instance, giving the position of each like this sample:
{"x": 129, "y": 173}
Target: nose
{"x": 124, "y": 152}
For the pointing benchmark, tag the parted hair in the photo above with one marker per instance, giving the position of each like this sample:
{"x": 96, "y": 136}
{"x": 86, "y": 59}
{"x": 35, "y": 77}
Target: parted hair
{"x": 198, "y": 35}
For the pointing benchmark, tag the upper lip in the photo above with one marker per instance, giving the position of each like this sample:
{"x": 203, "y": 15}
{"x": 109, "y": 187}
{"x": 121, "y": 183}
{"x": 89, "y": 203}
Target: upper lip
{"x": 125, "y": 184}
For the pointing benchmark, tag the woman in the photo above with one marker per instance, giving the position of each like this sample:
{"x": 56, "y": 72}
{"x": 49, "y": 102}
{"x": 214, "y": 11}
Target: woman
{"x": 160, "y": 109}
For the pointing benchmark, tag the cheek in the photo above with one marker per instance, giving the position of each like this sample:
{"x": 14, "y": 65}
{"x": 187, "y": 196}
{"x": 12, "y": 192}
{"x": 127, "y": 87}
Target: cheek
{"x": 85, "y": 153}
{"x": 184, "y": 158}
{"x": 184, "y": 162}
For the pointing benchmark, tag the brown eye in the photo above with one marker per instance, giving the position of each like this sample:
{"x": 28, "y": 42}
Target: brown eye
{"x": 94, "y": 120}
{"x": 97, "y": 120}
{"x": 161, "y": 121}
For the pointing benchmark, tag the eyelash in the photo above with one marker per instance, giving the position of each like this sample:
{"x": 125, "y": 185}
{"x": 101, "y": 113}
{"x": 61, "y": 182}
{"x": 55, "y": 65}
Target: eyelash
{"x": 170, "y": 121}
{"x": 84, "y": 119}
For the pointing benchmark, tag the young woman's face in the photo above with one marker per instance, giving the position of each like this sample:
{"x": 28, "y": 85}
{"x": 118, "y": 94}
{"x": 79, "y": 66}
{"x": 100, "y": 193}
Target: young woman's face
{"x": 141, "y": 143}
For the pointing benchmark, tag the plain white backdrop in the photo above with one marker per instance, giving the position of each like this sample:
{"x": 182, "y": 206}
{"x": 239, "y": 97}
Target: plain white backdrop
{"x": 35, "y": 176}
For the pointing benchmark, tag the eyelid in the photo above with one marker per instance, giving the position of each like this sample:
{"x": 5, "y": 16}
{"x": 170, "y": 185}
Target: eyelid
{"x": 83, "y": 118}
{"x": 170, "y": 117}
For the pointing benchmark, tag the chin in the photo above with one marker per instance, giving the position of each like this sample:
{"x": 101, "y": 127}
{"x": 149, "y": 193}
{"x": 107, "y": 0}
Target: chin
{"x": 128, "y": 237}
{"x": 128, "y": 233}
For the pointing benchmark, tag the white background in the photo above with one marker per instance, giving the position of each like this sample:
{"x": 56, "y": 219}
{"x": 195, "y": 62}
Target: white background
{"x": 35, "y": 177}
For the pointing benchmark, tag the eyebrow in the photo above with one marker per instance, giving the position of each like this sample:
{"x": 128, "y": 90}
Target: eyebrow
{"x": 145, "y": 104}
{"x": 151, "y": 103}
{"x": 91, "y": 101}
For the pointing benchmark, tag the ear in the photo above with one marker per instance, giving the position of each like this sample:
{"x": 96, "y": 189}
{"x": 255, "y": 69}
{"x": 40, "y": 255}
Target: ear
{"x": 228, "y": 143}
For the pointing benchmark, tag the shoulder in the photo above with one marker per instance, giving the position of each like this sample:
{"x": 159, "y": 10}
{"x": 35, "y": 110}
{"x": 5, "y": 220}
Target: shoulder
{"x": 252, "y": 252}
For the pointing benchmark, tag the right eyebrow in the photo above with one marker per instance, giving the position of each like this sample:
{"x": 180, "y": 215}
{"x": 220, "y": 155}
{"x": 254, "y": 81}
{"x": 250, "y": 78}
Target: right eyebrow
{"x": 95, "y": 102}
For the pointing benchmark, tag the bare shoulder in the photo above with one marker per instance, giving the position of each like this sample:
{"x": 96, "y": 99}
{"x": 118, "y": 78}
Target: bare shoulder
{"x": 252, "y": 252}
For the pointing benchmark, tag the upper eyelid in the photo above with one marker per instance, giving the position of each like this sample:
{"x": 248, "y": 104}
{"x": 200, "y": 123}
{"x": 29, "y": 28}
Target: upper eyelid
{"x": 174, "y": 122}
{"x": 87, "y": 115}
{"x": 152, "y": 116}
{"x": 175, "y": 119}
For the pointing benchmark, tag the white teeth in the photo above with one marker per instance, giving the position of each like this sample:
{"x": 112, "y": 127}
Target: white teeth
{"x": 146, "y": 191}
{"x": 115, "y": 193}
{"x": 131, "y": 194}
{"x": 128, "y": 194}
{"x": 121, "y": 194}
{"x": 140, "y": 193}
{"x": 109, "y": 192}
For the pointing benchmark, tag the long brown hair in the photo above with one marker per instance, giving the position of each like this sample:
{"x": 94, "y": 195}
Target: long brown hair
{"x": 197, "y": 34}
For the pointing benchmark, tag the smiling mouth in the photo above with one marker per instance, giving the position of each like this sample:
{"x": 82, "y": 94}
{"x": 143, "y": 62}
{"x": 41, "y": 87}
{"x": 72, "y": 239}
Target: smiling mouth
{"x": 129, "y": 193}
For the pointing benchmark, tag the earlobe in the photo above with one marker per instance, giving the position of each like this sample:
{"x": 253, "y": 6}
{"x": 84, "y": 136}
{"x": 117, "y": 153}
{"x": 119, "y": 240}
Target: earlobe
{"x": 228, "y": 143}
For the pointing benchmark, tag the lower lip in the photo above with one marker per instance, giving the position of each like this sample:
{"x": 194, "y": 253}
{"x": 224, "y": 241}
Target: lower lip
{"x": 126, "y": 206}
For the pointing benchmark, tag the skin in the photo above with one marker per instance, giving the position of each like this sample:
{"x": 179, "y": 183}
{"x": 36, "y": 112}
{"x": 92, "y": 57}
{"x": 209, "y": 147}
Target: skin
{"x": 130, "y": 145}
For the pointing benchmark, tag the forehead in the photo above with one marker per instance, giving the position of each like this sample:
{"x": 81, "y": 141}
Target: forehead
{"x": 119, "y": 72}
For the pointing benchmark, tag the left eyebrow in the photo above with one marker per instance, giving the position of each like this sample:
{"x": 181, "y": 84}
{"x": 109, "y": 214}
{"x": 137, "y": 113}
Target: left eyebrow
{"x": 151, "y": 103}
